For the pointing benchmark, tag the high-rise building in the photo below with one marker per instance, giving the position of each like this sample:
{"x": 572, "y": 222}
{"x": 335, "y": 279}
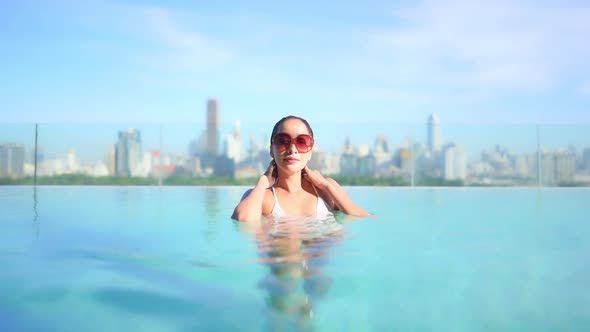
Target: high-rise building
{"x": 109, "y": 160}
{"x": 434, "y": 133}
{"x": 233, "y": 144}
{"x": 565, "y": 167}
{"x": 127, "y": 152}
{"x": 455, "y": 163}
{"x": 198, "y": 146}
{"x": 318, "y": 160}
{"x": 383, "y": 155}
{"x": 12, "y": 160}
{"x": 586, "y": 160}
{"x": 73, "y": 163}
{"x": 365, "y": 160}
{"x": 558, "y": 167}
{"x": 521, "y": 165}
{"x": 347, "y": 159}
{"x": 357, "y": 160}
{"x": 213, "y": 127}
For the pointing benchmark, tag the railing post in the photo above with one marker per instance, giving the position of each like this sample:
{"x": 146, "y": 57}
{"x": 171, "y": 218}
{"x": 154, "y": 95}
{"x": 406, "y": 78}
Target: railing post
{"x": 35, "y": 157}
{"x": 539, "y": 168}
{"x": 412, "y": 164}
{"x": 160, "y": 159}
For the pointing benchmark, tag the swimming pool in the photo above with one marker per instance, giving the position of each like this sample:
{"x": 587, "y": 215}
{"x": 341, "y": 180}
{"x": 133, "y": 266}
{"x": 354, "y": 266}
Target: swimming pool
{"x": 170, "y": 258}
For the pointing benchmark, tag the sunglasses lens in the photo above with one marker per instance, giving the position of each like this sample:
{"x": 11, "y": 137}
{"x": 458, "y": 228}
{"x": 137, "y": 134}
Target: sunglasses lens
{"x": 303, "y": 143}
{"x": 282, "y": 141}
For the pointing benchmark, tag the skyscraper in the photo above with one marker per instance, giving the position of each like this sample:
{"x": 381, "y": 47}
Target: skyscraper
{"x": 434, "y": 133}
{"x": 213, "y": 127}
{"x": 558, "y": 167}
{"x": 12, "y": 160}
{"x": 455, "y": 163}
{"x": 233, "y": 144}
{"x": 127, "y": 152}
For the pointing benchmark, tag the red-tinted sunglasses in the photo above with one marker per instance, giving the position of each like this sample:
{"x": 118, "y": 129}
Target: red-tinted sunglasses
{"x": 303, "y": 142}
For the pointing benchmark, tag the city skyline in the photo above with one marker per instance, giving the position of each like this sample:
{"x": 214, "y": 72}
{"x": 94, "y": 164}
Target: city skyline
{"x": 92, "y": 141}
{"x": 437, "y": 157}
{"x": 365, "y": 63}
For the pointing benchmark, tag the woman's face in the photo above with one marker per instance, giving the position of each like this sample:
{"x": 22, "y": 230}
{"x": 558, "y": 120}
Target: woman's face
{"x": 289, "y": 146}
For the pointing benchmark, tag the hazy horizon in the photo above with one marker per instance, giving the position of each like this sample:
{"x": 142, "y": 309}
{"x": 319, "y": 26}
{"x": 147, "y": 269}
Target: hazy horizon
{"x": 92, "y": 141}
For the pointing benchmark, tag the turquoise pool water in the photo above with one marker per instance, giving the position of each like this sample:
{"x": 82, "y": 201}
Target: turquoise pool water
{"x": 170, "y": 259}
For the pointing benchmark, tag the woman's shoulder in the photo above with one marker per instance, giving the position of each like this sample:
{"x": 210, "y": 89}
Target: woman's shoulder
{"x": 325, "y": 195}
{"x": 268, "y": 201}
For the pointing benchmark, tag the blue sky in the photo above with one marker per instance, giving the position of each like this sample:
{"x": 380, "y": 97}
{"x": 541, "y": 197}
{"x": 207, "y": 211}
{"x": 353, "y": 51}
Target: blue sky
{"x": 352, "y": 64}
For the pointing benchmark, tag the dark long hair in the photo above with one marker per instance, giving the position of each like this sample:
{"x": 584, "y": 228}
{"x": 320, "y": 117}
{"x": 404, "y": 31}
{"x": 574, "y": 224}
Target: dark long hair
{"x": 275, "y": 130}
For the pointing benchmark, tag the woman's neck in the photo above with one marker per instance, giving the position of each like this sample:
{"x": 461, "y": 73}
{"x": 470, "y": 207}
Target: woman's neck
{"x": 290, "y": 183}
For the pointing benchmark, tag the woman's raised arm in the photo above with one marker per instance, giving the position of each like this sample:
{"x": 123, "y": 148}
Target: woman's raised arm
{"x": 250, "y": 206}
{"x": 339, "y": 197}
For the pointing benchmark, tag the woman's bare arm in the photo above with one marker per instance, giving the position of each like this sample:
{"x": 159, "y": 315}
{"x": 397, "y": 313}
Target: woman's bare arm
{"x": 343, "y": 201}
{"x": 340, "y": 198}
{"x": 250, "y": 207}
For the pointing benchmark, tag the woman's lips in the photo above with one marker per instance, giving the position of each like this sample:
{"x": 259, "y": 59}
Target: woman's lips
{"x": 291, "y": 160}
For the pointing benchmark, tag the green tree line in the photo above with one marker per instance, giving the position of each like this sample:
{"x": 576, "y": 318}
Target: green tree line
{"x": 86, "y": 180}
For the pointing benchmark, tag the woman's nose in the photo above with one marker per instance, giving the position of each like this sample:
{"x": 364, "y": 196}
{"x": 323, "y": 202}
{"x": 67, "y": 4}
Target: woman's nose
{"x": 292, "y": 148}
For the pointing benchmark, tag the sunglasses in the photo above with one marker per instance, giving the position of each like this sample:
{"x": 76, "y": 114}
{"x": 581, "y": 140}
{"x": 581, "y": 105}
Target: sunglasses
{"x": 303, "y": 142}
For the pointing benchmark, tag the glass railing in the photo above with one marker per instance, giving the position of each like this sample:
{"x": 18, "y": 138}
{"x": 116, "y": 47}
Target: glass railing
{"x": 355, "y": 154}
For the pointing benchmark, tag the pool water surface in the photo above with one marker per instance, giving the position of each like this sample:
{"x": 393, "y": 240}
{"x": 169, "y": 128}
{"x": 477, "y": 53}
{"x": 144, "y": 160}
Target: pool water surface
{"x": 171, "y": 259}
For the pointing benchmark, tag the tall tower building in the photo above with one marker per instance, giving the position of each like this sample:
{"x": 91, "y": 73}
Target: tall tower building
{"x": 434, "y": 133}
{"x": 12, "y": 160}
{"x": 109, "y": 160}
{"x": 213, "y": 127}
{"x": 233, "y": 144}
{"x": 127, "y": 152}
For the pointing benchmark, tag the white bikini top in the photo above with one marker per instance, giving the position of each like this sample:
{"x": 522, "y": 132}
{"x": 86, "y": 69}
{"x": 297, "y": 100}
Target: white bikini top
{"x": 322, "y": 212}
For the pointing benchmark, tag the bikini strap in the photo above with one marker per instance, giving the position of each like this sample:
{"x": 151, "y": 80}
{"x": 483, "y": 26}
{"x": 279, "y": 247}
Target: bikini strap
{"x": 273, "y": 193}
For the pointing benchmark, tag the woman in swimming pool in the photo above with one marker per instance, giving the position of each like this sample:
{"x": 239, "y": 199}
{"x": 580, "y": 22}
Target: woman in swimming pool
{"x": 300, "y": 190}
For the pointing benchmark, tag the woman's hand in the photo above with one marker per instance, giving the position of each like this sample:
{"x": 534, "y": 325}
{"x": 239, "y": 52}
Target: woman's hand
{"x": 270, "y": 172}
{"x": 250, "y": 207}
{"x": 315, "y": 178}
{"x": 338, "y": 198}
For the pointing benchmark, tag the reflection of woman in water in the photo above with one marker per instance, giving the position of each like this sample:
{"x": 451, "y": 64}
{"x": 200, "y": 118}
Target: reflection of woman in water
{"x": 291, "y": 148}
{"x": 296, "y": 279}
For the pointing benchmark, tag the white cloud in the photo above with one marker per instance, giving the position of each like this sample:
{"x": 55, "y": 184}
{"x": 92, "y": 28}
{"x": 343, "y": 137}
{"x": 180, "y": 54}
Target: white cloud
{"x": 456, "y": 57}
{"x": 243, "y": 62}
{"x": 501, "y": 45}
{"x": 181, "y": 49}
